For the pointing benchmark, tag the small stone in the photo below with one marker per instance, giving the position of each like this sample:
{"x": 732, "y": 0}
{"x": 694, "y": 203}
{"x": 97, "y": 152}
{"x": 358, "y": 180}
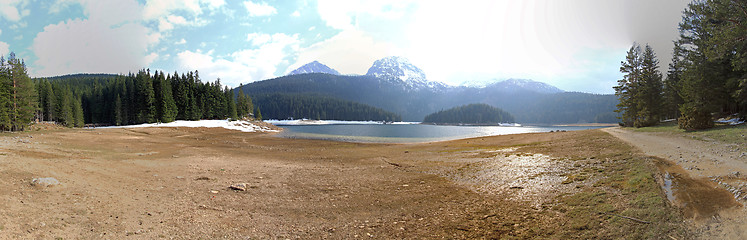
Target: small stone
{"x": 239, "y": 186}
{"x": 213, "y": 191}
{"x": 45, "y": 182}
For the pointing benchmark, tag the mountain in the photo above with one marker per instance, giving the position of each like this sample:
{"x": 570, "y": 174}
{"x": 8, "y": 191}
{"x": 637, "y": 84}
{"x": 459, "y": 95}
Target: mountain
{"x": 314, "y": 67}
{"x": 394, "y": 84}
{"x": 414, "y": 105}
{"x": 514, "y": 85}
{"x": 400, "y": 70}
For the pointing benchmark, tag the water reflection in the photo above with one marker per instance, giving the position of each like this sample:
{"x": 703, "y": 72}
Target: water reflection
{"x": 394, "y": 133}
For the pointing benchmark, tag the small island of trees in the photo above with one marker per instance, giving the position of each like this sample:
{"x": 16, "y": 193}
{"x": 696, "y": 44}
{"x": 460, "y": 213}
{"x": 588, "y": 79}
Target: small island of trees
{"x": 477, "y": 114}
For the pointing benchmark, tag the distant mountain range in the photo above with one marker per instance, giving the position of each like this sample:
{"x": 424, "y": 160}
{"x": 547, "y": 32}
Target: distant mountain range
{"x": 394, "y": 84}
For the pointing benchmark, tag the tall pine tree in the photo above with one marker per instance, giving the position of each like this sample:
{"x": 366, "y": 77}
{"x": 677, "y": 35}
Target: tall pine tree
{"x": 23, "y": 95}
{"x": 640, "y": 90}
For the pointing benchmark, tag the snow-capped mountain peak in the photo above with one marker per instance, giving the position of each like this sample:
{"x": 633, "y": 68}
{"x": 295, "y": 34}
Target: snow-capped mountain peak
{"x": 314, "y": 67}
{"x": 513, "y": 85}
{"x": 400, "y": 69}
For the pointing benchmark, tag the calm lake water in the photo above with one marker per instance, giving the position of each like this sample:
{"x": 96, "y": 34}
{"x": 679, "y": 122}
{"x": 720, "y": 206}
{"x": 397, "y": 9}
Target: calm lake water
{"x": 408, "y": 133}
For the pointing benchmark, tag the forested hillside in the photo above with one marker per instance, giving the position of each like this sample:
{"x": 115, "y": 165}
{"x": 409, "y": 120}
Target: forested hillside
{"x": 303, "y": 106}
{"x": 470, "y": 114}
{"x": 136, "y": 98}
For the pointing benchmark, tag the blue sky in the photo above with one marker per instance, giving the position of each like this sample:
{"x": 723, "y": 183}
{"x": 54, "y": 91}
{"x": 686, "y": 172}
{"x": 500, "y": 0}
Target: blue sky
{"x": 576, "y": 45}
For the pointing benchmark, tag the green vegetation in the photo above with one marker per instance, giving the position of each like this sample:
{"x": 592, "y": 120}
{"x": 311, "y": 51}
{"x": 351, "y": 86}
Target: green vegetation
{"x": 640, "y": 90}
{"x": 470, "y": 114}
{"x": 308, "y": 106}
{"x": 146, "y": 98}
{"x": 614, "y": 182}
{"x": 76, "y": 100}
{"x": 707, "y": 76}
{"x": 17, "y": 95}
{"x": 723, "y": 133}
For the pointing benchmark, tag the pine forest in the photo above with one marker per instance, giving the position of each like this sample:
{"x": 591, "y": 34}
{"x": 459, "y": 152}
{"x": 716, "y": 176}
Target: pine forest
{"x": 707, "y": 77}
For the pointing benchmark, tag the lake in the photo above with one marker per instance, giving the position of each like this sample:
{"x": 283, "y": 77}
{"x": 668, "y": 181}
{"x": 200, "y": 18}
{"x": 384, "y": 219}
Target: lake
{"x": 406, "y": 133}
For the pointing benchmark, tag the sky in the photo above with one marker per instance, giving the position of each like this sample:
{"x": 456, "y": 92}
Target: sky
{"x": 576, "y": 45}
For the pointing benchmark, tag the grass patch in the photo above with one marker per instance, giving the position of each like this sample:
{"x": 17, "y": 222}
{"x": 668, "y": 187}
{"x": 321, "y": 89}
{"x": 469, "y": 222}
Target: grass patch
{"x": 619, "y": 183}
{"x": 721, "y": 132}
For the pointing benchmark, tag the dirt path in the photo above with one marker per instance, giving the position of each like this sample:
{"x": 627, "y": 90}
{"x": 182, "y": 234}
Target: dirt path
{"x": 722, "y": 164}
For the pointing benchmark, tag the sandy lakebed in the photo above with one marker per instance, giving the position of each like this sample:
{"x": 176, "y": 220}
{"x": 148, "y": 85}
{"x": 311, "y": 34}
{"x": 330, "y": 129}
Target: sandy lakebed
{"x": 173, "y": 183}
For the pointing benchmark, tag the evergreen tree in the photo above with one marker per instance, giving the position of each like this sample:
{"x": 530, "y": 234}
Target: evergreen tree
{"x": 118, "y": 119}
{"x": 650, "y": 96}
{"x": 23, "y": 95}
{"x": 170, "y": 111}
{"x": 166, "y": 109}
{"x": 145, "y": 98}
{"x": 232, "y": 113}
{"x": 257, "y": 114}
{"x": 672, "y": 98}
{"x": 5, "y": 90}
{"x": 714, "y": 60}
{"x": 241, "y": 111}
{"x": 77, "y": 112}
{"x": 640, "y": 90}
{"x": 627, "y": 88}
{"x": 65, "y": 107}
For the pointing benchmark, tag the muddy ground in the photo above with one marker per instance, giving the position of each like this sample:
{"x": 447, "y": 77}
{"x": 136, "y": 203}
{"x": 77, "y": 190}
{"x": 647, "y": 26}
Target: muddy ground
{"x": 715, "y": 165}
{"x": 152, "y": 183}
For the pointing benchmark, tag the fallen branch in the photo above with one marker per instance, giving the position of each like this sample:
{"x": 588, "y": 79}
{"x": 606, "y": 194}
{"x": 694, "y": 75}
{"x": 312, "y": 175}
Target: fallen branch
{"x": 629, "y": 218}
{"x": 391, "y": 163}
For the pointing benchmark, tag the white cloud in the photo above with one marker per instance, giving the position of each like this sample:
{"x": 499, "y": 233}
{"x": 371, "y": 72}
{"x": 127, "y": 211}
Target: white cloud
{"x": 344, "y": 14}
{"x": 258, "y": 39}
{"x": 183, "y": 41}
{"x": 155, "y": 9}
{"x": 242, "y": 66}
{"x": 104, "y": 12}
{"x": 150, "y": 58}
{"x": 296, "y": 14}
{"x": 259, "y": 9}
{"x": 169, "y": 22}
{"x": 167, "y": 12}
{"x": 80, "y": 46}
{"x": 13, "y": 10}
{"x": 349, "y": 52}
{"x": 4, "y": 49}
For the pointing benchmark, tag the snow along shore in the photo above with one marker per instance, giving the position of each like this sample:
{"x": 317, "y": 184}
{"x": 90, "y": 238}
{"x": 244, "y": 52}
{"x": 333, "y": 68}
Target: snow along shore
{"x": 244, "y": 126}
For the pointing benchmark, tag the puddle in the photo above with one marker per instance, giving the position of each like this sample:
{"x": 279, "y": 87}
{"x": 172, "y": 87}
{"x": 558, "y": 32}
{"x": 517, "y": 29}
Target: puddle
{"x": 668, "y": 187}
{"x": 698, "y": 198}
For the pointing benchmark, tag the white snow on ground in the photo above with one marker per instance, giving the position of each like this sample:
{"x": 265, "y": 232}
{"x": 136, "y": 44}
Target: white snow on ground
{"x": 243, "y": 126}
{"x": 301, "y": 122}
{"x": 733, "y": 121}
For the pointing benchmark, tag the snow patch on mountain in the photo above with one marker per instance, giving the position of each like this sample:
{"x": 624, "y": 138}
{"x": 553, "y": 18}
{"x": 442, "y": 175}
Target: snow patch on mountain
{"x": 514, "y": 85}
{"x": 314, "y": 67}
